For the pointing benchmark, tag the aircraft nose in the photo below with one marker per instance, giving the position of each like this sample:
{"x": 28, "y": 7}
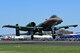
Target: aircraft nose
{"x": 59, "y": 21}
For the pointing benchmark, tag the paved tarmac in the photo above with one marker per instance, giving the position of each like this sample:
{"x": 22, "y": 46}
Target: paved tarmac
{"x": 47, "y": 43}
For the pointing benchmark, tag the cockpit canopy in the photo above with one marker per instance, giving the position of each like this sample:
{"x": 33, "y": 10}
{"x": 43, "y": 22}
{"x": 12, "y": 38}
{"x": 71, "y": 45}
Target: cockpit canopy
{"x": 53, "y": 16}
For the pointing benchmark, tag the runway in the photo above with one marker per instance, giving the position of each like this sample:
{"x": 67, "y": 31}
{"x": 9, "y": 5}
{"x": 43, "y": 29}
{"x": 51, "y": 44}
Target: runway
{"x": 46, "y": 43}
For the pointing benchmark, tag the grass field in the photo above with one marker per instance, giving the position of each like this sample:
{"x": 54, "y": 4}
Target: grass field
{"x": 38, "y": 49}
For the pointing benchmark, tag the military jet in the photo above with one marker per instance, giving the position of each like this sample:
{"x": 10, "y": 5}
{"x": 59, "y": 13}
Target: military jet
{"x": 44, "y": 26}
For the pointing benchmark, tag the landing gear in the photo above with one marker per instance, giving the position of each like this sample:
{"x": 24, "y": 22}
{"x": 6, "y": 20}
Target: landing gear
{"x": 17, "y": 30}
{"x": 32, "y": 35}
{"x": 54, "y": 36}
{"x": 54, "y": 32}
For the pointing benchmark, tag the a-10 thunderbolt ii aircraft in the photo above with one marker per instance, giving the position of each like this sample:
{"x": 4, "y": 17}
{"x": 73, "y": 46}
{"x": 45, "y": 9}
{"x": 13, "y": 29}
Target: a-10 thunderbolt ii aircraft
{"x": 32, "y": 29}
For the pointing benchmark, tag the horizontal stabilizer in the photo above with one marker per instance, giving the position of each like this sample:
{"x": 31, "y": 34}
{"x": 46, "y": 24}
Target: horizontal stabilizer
{"x": 66, "y": 27}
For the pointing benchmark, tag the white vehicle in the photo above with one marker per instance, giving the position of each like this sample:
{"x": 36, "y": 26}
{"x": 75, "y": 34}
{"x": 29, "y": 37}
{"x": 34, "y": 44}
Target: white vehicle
{"x": 43, "y": 37}
{"x": 38, "y": 37}
{"x": 28, "y": 37}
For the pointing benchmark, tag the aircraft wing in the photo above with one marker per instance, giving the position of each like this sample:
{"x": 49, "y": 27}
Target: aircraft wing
{"x": 66, "y": 27}
{"x": 23, "y": 28}
{"x": 9, "y": 26}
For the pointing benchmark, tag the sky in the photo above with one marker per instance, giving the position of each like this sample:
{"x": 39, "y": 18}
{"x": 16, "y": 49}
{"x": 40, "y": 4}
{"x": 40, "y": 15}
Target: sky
{"x": 24, "y": 11}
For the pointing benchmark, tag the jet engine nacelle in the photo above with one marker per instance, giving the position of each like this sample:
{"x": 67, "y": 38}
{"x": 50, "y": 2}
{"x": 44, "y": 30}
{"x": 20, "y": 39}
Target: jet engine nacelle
{"x": 31, "y": 24}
